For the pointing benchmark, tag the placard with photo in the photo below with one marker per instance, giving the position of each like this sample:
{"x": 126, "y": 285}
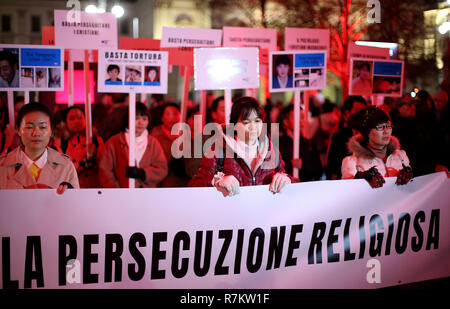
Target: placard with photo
{"x": 292, "y": 70}
{"x": 380, "y": 77}
{"x": 132, "y": 70}
{"x": 27, "y": 67}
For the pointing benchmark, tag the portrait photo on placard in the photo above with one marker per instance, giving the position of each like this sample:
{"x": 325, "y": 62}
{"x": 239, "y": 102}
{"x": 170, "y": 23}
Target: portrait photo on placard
{"x": 54, "y": 77}
{"x": 302, "y": 83}
{"x": 9, "y": 68}
{"x": 152, "y": 77}
{"x": 133, "y": 75}
{"x": 317, "y": 77}
{"x": 361, "y": 83}
{"x": 27, "y": 77}
{"x": 282, "y": 71}
{"x": 41, "y": 78}
{"x": 386, "y": 84}
{"x": 113, "y": 74}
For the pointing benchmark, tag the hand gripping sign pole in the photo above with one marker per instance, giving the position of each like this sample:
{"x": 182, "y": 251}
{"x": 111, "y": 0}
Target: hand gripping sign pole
{"x": 132, "y": 132}
{"x": 296, "y": 130}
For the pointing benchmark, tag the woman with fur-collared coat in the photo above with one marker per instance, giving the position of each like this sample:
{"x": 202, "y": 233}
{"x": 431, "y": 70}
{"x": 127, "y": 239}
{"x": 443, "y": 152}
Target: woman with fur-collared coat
{"x": 375, "y": 152}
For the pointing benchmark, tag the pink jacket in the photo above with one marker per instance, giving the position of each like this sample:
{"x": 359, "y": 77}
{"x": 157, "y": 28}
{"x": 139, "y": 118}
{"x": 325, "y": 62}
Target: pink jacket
{"x": 15, "y": 175}
{"x": 114, "y": 159}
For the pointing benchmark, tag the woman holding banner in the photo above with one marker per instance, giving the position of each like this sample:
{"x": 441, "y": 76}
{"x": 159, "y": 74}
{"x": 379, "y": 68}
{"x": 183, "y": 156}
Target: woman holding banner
{"x": 245, "y": 157}
{"x": 34, "y": 165}
{"x": 375, "y": 152}
{"x": 151, "y": 164}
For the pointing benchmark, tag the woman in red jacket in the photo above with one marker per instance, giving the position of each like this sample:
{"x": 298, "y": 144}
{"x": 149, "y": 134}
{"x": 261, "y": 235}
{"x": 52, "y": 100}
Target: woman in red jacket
{"x": 245, "y": 157}
{"x": 151, "y": 164}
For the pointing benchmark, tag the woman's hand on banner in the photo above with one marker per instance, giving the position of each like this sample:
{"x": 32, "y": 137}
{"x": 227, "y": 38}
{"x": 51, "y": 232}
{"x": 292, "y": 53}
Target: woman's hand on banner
{"x": 279, "y": 180}
{"x": 228, "y": 185}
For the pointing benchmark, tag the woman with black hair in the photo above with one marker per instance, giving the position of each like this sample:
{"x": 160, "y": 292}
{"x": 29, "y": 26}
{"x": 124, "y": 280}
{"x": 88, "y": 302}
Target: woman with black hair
{"x": 244, "y": 156}
{"x": 170, "y": 116}
{"x": 84, "y": 155}
{"x": 34, "y": 164}
{"x": 151, "y": 164}
{"x": 375, "y": 152}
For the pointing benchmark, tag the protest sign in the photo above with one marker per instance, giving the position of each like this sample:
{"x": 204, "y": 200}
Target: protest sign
{"x": 91, "y": 31}
{"x": 376, "y": 77}
{"x": 165, "y": 238}
{"x": 132, "y": 70}
{"x": 32, "y": 67}
{"x": 289, "y": 70}
{"x": 307, "y": 39}
{"x": 226, "y": 68}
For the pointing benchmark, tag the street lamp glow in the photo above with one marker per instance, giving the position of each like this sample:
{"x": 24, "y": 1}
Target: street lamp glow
{"x": 444, "y": 27}
{"x": 91, "y": 9}
{"x": 118, "y": 11}
{"x": 100, "y": 10}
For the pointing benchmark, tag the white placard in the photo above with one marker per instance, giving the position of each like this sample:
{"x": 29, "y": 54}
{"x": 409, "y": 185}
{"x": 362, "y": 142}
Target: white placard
{"x": 91, "y": 31}
{"x": 226, "y": 68}
{"x": 190, "y": 37}
{"x": 31, "y": 67}
{"x": 307, "y": 39}
{"x": 363, "y": 51}
{"x": 376, "y": 77}
{"x": 297, "y": 70}
{"x": 250, "y": 37}
{"x": 132, "y": 70}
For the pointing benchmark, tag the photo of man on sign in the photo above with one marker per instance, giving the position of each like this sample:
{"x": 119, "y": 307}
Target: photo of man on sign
{"x": 113, "y": 71}
{"x": 9, "y": 69}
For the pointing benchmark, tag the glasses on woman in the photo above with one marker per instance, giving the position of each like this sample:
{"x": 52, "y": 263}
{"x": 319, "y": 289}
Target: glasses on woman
{"x": 382, "y": 127}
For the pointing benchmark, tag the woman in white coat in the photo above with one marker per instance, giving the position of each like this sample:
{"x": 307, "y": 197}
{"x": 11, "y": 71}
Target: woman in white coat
{"x": 375, "y": 152}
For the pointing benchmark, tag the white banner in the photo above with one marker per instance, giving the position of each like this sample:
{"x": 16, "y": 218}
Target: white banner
{"x": 328, "y": 234}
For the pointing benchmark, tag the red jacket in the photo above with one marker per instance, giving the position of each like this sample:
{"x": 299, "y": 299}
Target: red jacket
{"x": 236, "y": 166}
{"x": 114, "y": 159}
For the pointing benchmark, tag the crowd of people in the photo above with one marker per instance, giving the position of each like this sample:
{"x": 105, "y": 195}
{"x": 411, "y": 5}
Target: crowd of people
{"x": 402, "y": 138}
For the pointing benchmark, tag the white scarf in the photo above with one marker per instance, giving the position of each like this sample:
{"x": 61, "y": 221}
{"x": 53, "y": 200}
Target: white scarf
{"x": 140, "y": 145}
{"x": 253, "y": 155}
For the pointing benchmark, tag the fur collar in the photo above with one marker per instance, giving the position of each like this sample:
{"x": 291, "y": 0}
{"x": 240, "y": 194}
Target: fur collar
{"x": 354, "y": 147}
